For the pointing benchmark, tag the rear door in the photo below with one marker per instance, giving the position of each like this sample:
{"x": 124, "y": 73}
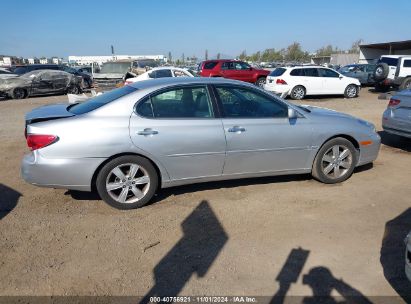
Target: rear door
{"x": 331, "y": 81}
{"x": 179, "y": 128}
{"x": 260, "y": 136}
{"x": 311, "y": 81}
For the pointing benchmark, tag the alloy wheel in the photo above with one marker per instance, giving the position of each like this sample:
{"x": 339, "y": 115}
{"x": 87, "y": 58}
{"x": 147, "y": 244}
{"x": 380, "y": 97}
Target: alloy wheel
{"x": 336, "y": 161}
{"x": 351, "y": 91}
{"x": 127, "y": 183}
{"x": 298, "y": 93}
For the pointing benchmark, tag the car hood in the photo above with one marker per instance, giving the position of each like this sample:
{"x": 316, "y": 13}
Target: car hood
{"x": 12, "y": 82}
{"x": 108, "y": 75}
{"x": 48, "y": 112}
{"x": 326, "y": 112}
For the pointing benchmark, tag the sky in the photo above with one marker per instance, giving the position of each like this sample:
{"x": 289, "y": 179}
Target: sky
{"x": 136, "y": 27}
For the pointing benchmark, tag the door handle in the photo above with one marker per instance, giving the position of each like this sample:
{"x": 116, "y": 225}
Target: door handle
{"x": 236, "y": 129}
{"x": 147, "y": 132}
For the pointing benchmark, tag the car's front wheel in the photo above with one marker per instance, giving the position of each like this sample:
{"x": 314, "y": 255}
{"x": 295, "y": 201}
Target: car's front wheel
{"x": 335, "y": 161}
{"x": 127, "y": 182}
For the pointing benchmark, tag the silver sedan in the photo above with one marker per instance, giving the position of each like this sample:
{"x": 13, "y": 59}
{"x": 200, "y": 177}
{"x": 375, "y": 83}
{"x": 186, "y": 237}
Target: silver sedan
{"x": 130, "y": 142}
{"x": 397, "y": 117}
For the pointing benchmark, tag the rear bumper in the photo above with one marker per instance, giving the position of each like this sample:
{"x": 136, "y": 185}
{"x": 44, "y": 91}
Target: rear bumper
{"x": 75, "y": 174}
{"x": 277, "y": 89}
{"x": 394, "y": 125}
{"x": 369, "y": 153}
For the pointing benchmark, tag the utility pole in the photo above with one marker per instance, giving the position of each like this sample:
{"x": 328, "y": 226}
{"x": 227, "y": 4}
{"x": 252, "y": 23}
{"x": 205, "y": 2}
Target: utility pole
{"x": 206, "y": 55}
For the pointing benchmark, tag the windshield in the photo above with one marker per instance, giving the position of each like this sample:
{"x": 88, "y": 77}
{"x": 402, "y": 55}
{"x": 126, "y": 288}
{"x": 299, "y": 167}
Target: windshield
{"x": 100, "y": 100}
{"x": 115, "y": 67}
{"x": 346, "y": 69}
{"x": 147, "y": 63}
{"x": 30, "y": 74}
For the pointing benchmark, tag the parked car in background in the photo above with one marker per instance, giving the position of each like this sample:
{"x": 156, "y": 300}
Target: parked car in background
{"x": 363, "y": 72}
{"x": 160, "y": 73}
{"x": 393, "y": 71}
{"x": 408, "y": 256}
{"x": 84, "y": 69}
{"x": 112, "y": 74}
{"x": 396, "y": 119}
{"x": 87, "y": 78}
{"x": 23, "y": 69}
{"x": 298, "y": 82}
{"x": 172, "y": 131}
{"x": 141, "y": 66}
{"x": 40, "y": 82}
{"x": 233, "y": 69}
{"x": 4, "y": 73}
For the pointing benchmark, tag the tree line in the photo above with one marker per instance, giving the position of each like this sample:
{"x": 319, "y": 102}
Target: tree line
{"x": 294, "y": 52}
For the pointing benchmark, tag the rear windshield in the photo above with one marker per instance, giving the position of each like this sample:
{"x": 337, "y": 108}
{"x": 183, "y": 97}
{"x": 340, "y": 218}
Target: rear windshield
{"x": 389, "y": 61}
{"x": 209, "y": 65}
{"x": 277, "y": 72}
{"x": 99, "y": 101}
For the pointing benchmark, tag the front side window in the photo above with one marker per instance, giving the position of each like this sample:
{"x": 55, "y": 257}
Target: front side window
{"x": 228, "y": 65}
{"x": 407, "y": 63}
{"x": 187, "y": 102}
{"x": 328, "y": 73}
{"x": 240, "y": 102}
{"x": 241, "y": 66}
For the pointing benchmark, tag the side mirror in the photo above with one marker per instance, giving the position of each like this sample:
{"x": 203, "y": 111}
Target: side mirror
{"x": 292, "y": 114}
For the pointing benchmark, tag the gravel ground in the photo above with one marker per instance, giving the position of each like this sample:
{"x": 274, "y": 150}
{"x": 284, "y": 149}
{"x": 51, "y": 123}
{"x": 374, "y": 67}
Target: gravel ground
{"x": 268, "y": 236}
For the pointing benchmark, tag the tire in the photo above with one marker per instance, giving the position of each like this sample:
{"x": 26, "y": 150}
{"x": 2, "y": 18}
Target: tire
{"x": 19, "y": 93}
{"x": 123, "y": 195}
{"x": 298, "y": 92}
{"x": 260, "y": 82}
{"x": 351, "y": 91}
{"x": 381, "y": 71}
{"x": 335, "y": 161}
{"x": 406, "y": 84}
{"x": 73, "y": 90}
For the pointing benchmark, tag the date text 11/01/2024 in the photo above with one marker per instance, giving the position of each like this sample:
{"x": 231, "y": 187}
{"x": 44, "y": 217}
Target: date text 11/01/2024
{"x": 204, "y": 299}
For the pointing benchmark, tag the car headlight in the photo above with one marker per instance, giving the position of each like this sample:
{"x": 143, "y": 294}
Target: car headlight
{"x": 368, "y": 124}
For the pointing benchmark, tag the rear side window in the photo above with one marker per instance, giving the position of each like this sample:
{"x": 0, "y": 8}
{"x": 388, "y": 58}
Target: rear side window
{"x": 187, "y": 102}
{"x": 210, "y": 65}
{"x": 297, "y": 72}
{"x": 161, "y": 74}
{"x": 310, "y": 72}
{"x": 390, "y": 61}
{"x": 100, "y": 100}
{"x": 277, "y": 72}
{"x": 407, "y": 63}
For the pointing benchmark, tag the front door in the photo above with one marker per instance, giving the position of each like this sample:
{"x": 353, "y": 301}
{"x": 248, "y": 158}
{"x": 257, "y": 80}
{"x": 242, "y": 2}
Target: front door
{"x": 332, "y": 83}
{"x": 260, "y": 136}
{"x": 177, "y": 127}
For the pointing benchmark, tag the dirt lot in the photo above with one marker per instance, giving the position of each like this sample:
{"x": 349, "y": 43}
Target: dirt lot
{"x": 268, "y": 236}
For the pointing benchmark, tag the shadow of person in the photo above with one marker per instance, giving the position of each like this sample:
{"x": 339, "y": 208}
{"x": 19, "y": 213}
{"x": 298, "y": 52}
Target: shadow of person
{"x": 395, "y": 141}
{"x": 322, "y": 283}
{"x": 392, "y": 255}
{"x": 203, "y": 239}
{"x": 8, "y": 200}
{"x": 289, "y": 273}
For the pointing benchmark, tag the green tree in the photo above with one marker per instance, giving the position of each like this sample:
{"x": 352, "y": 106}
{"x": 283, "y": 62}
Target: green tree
{"x": 294, "y": 52}
{"x": 243, "y": 55}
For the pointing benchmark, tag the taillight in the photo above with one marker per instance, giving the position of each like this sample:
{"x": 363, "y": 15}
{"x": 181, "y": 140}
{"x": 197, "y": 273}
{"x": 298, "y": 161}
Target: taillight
{"x": 280, "y": 81}
{"x": 394, "y": 102}
{"x": 38, "y": 141}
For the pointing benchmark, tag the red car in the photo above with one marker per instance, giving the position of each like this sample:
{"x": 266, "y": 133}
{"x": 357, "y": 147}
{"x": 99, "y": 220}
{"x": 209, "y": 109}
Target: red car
{"x": 233, "y": 69}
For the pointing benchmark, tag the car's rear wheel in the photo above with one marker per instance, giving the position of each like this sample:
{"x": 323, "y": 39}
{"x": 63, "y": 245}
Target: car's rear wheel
{"x": 298, "y": 92}
{"x": 19, "y": 93}
{"x": 127, "y": 182}
{"x": 335, "y": 161}
{"x": 73, "y": 90}
{"x": 260, "y": 82}
{"x": 351, "y": 91}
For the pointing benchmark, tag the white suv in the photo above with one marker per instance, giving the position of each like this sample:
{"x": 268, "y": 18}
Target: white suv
{"x": 393, "y": 70}
{"x": 300, "y": 81}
